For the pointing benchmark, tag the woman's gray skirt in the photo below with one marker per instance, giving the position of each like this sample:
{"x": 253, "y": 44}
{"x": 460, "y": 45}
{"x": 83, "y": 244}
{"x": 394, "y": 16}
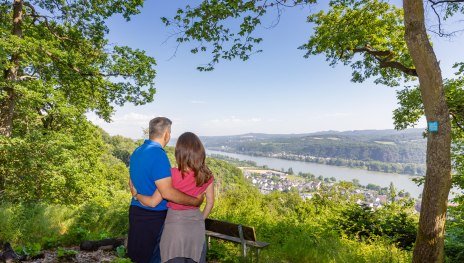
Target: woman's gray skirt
{"x": 183, "y": 235}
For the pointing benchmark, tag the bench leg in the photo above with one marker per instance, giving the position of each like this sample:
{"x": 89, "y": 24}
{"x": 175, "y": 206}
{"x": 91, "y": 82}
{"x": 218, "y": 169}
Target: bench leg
{"x": 207, "y": 245}
{"x": 257, "y": 255}
{"x": 244, "y": 251}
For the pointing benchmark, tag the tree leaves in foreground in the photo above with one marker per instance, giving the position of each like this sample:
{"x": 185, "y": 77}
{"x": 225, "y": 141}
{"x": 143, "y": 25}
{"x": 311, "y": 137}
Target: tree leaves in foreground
{"x": 58, "y": 167}
{"x": 57, "y": 64}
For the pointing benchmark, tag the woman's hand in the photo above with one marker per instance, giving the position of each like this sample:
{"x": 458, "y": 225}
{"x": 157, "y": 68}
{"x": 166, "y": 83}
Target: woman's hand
{"x": 132, "y": 188}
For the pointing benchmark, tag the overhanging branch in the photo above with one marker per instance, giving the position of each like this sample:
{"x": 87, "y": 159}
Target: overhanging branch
{"x": 446, "y": 1}
{"x": 433, "y": 6}
{"x": 384, "y": 57}
{"x": 83, "y": 73}
{"x": 455, "y": 119}
{"x": 36, "y": 16}
{"x": 27, "y": 77}
{"x": 398, "y": 66}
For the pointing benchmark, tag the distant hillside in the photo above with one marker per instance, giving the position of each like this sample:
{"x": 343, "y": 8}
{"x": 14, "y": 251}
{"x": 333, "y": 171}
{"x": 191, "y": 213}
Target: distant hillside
{"x": 378, "y": 150}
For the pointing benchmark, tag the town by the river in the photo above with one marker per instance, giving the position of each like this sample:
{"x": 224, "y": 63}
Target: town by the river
{"x": 401, "y": 181}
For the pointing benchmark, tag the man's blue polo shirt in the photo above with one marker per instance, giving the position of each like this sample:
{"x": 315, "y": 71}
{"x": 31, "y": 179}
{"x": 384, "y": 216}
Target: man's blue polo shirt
{"x": 149, "y": 163}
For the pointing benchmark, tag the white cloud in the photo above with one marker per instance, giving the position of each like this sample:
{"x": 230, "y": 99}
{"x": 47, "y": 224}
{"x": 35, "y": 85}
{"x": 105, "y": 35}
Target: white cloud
{"x": 335, "y": 114}
{"x": 132, "y": 118}
{"x": 197, "y": 102}
{"x": 95, "y": 119}
{"x": 235, "y": 120}
{"x": 129, "y": 124}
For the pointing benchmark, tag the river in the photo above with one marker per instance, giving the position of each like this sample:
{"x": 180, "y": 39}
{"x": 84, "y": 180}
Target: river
{"x": 400, "y": 181}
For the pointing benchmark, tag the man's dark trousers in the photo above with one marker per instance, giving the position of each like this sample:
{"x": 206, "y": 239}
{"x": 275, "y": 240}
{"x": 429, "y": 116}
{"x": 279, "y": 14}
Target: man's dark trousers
{"x": 145, "y": 228}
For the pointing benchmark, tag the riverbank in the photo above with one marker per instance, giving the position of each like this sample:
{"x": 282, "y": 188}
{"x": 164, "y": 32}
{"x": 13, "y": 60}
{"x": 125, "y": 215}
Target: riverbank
{"x": 365, "y": 177}
{"x": 413, "y": 169}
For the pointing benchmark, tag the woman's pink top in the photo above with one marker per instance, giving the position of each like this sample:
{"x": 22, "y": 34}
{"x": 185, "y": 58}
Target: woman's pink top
{"x": 188, "y": 186}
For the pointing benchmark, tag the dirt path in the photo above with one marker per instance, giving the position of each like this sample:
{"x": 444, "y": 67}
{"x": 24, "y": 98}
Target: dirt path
{"x": 81, "y": 257}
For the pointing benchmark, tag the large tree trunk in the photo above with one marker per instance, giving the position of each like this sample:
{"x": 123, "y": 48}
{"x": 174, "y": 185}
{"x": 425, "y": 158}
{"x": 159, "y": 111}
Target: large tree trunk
{"x": 7, "y": 103}
{"x": 430, "y": 237}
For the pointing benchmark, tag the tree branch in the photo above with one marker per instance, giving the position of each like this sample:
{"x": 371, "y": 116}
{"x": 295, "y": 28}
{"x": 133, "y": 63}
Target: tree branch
{"x": 398, "y": 66}
{"x": 86, "y": 74}
{"x": 446, "y": 1}
{"x": 455, "y": 119}
{"x": 384, "y": 57}
{"x": 433, "y": 5}
{"x": 36, "y": 16}
{"x": 376, "y": 53}
{"x": 26, "y": 77}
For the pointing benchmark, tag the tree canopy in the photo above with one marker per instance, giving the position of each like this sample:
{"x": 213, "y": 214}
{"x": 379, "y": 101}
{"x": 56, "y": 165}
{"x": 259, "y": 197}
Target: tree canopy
{"x": 58, "y": 64}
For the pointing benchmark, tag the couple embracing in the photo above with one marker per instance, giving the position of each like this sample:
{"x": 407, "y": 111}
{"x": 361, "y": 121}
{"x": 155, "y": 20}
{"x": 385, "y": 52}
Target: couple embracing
{"x": 165, "y": 223}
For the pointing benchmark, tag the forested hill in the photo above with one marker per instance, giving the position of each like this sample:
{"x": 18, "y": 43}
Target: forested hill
{"x": 61, "y": 190}
{"x": 389, "y": 146}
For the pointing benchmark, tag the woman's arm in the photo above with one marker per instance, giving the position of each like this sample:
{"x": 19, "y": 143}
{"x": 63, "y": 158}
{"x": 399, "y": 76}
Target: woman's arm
{"x": 209, "y": 200}
{"x": 146, "y": 200}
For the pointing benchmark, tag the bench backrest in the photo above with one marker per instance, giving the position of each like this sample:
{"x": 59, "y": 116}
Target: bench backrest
{"x": 230, "y": 229}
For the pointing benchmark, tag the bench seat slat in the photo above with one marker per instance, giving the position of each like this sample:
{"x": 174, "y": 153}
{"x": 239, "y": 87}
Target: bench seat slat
{"x": 230, "y": 229}
{"x": 256, "y": 244}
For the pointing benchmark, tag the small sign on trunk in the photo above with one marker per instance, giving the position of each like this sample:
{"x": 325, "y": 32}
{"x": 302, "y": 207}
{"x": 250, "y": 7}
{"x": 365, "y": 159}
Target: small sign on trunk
{"x": 432, "y": 126}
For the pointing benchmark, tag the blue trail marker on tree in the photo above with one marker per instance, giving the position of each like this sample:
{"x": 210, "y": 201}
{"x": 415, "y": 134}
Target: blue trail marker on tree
{"x": 432, "y": 126}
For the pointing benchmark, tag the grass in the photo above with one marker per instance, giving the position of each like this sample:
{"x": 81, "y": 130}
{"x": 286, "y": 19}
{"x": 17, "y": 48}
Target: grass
{"x": 33, "y": 226}
{"x": 292, "y": 240}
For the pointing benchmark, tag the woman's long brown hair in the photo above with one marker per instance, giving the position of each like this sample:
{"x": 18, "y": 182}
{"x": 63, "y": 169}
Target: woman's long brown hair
{"x": 190, "y": 155}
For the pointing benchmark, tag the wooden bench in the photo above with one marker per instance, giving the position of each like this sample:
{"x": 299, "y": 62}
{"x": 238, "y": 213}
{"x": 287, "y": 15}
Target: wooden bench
{"x": 243, "y": 235}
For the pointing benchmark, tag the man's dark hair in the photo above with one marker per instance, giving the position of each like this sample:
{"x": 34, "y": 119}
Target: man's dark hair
{"x": 158, "y": 126}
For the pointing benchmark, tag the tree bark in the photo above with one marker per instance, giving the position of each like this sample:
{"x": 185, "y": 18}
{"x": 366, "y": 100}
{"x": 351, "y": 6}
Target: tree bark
{"x": 429, "y": 246}
{"x": 7, "y": 103}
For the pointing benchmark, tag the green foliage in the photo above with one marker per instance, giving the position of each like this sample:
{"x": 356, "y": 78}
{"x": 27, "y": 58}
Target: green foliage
{"x": 56, "y": 186}
{"x": 392, "y": 222}
{"x": 211, "y": 26}
{"x": 411, "y": 110}
{"x": 454, "y": 242}
{"x": 32, "y": 223}
{"x": 121, "y": 260}
{"x": 57, "y": 167}
{"x": 299, "y": 231}
{"x": 449, "y": 8}
{"x": 31, "y": 250}
{"x": 66, "y": 65}
{"x": 235, "y": 161}
{"x": 386, "y": 151}
{"x": 381, "y": 146}
{"x": 120, "y": 147}
{"x": 64, "y": 254}
{"x": 51, "y": 225}
{"x": 372, "y": 29}
{"x": 222, "y": 252}
{"x": 121, "y": 251}
{"x": 98, "y": 225}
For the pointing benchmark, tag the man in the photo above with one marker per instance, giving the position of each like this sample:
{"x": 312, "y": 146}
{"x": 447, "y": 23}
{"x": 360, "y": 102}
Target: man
{"x": 150, "y": 170}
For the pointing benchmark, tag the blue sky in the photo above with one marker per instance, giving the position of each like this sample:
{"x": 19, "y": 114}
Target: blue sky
{"x": 276, "y": 91}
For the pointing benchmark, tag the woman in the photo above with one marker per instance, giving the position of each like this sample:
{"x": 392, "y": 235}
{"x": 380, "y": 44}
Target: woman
{"x": 183, "y": 238}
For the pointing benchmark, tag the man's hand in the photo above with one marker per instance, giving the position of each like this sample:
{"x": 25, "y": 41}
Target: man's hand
{"x": 170, "y": 193}
{"x": 200, "y": 198}
{"x": 132, "y": 188}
